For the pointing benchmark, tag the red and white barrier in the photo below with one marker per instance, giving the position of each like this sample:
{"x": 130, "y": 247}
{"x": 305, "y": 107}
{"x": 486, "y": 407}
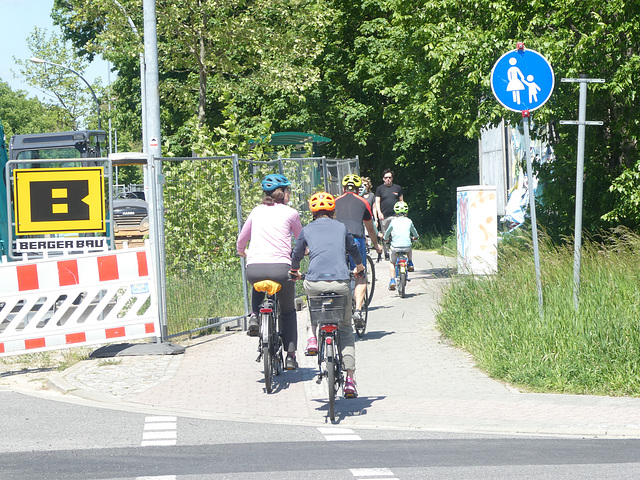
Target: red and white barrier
{"x": 78, "y": 300}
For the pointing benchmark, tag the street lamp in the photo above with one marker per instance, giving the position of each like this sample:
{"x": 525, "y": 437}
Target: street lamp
{"x": 143, "y": 87}
{"x": 39, "y": 60}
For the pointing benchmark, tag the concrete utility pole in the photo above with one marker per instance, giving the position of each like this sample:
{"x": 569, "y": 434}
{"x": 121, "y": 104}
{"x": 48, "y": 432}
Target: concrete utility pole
{"x": 581, "y": 122}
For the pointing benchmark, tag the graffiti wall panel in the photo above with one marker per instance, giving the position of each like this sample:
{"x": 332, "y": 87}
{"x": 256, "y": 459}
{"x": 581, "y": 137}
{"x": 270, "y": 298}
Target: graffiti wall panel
{"x": 477, "y": 231}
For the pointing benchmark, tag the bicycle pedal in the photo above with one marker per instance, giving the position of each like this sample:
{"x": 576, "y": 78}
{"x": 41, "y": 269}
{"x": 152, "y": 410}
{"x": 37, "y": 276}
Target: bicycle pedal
{"x": 319, "y": 379}
{"x": 311, "y": 353}
{"x": 259, "y": 358}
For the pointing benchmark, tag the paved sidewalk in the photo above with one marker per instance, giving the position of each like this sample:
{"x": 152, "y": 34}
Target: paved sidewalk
{"x": 407, "y": 378}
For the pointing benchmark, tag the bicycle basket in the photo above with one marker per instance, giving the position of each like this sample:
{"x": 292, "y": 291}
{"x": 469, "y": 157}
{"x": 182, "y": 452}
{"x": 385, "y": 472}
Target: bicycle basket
{"x": 327, "y": 308}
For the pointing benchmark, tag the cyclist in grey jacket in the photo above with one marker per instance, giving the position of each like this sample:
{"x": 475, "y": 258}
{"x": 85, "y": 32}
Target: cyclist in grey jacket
{"x": 328, "y": 243}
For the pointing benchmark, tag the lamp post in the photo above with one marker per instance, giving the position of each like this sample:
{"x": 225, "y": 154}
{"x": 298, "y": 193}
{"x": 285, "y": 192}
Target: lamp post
{"x": 143, "y": 87}
{"x": 39, "y": 60}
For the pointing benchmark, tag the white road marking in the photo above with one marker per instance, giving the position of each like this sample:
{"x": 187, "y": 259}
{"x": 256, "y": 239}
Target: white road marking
{"x": 163, "y": 477}
{"x": 369, "y": 473}
{"x": 337, "y": 434}
{"x": 160, "y": 425}
{"x": 160, "y": 431}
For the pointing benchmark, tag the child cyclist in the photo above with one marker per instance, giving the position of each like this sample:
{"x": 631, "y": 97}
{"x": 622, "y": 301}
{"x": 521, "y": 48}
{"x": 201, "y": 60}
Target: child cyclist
{"x": 401, "y": 231}
{"x": 328, "y": 243}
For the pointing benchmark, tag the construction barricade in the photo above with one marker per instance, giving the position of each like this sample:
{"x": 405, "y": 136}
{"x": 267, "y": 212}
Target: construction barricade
{"x": 69, "y": 301}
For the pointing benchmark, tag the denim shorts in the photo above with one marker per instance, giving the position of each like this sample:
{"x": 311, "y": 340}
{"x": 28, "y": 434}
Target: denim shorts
{"x": 361, "y": 242}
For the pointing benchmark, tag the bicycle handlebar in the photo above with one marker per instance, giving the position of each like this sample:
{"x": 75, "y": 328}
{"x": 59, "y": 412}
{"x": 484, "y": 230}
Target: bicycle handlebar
{"x": 301, "y": 276}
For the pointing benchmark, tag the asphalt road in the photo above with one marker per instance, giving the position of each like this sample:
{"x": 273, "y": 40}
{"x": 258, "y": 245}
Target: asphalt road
{"x": 49, "y": 439}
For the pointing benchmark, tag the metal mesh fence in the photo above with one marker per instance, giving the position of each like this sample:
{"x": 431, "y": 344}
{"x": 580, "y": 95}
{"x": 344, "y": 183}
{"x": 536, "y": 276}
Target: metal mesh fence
{"x": 206, "y": 200}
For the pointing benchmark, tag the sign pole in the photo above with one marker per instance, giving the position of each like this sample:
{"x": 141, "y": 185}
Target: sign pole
{"x": 522, "y": 80}
{"x": 532, "y": 207}
{"x": 582, "y": 114}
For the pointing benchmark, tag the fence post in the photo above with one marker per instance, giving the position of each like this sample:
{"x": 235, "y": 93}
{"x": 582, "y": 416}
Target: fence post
{"x": 236, "y": 189}
{"x": 325, "y": 174}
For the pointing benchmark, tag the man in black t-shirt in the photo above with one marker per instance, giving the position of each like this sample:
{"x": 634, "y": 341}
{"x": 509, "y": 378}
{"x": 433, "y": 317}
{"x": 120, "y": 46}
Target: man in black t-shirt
{"x": 387, "y": 195}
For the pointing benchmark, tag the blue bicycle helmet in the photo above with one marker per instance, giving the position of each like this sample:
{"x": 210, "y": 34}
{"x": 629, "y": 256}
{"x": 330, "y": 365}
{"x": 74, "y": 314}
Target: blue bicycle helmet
{"x": 273, "y": 181}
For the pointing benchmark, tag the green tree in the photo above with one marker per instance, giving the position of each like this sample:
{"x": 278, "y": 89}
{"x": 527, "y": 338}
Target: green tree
{"x": 403, "y": 84}
{"x": 406, "y": 78}
{"x": 20, "y": 114}
{"x": 68, "y": 89}
{"x": 200, "y": 220}
{"x": 205, "y": 50}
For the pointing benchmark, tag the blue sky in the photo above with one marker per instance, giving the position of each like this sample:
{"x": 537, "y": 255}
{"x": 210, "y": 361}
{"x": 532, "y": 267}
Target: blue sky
{"x": 19, "y": 18}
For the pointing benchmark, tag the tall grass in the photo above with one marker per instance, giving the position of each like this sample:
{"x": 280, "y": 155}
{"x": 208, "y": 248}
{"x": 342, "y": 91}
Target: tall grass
{"x": 443, "y": 244}
{"x": 594, "y": 350}
{"x": 195, "y": 297}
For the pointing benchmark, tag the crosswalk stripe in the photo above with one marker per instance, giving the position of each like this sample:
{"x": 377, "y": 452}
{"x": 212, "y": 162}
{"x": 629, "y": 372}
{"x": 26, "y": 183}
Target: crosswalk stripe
{"x": 160, "y": 431}
{"x": 158, "y": 443}
{"x": 337, "y": 434}
{"x": 160, "y": 426}
{"x": 161, "y": 477}
{"x": 159, "y": 435}
{"x": 379, "y": 473}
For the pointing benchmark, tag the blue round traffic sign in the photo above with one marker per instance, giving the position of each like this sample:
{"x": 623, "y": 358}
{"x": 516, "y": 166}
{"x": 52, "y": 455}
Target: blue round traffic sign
{"x": 522, "y": 80}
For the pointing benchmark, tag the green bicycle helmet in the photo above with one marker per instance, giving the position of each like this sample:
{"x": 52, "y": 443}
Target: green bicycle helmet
{"x": 401, "y": 208}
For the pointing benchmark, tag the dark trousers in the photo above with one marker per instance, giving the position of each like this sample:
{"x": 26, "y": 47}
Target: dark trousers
{"x": 277, "y": 272}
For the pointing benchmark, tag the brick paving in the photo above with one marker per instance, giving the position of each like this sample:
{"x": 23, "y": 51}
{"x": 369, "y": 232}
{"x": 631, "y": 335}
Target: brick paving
{"x": 407, "y": 378}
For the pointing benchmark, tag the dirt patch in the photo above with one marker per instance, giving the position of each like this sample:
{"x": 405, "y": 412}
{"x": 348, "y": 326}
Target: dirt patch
{"x": 32, "y": 371}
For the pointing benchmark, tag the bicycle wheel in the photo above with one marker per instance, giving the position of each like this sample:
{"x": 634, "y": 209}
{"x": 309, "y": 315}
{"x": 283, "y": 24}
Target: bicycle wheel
{"x": 403, "y": 284}
{"x": 365, "y": 314}
{"x": 331, "y": 380}
{"x": 268, "y": 366}
{"x": 371, "y": 280}
{"x": 267, "y": 350}
{"x": 278, "y": 360}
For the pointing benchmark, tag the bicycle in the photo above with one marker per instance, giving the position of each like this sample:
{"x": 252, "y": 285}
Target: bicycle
{"x": 327, "y": 310}
{"x": 402, "y": 271}
{"x": 371, "y": 277}
{"x": 270, "y": 345}
{"x": 361, "y": 327}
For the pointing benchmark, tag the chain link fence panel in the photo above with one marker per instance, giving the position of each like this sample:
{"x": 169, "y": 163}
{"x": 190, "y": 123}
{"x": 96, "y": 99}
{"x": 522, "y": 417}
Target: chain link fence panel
{"x": 206, "y": 201}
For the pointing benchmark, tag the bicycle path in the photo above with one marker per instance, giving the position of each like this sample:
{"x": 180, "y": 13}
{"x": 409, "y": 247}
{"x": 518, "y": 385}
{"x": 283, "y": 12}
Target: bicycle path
{"x": 407, "y": 378}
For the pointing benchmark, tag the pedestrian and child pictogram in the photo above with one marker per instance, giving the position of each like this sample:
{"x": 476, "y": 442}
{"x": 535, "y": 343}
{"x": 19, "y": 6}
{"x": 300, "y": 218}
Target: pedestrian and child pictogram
{"x": 514, "y": 72}
{"x": 522, "y": 79}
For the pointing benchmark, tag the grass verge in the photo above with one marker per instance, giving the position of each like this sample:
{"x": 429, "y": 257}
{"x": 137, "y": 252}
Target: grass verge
{"x": 592, "y": 350}
{"x": 194, "y": 298}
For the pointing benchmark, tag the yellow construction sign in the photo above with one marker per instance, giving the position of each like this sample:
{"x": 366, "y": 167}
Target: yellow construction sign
{"x": 59, "y": 200}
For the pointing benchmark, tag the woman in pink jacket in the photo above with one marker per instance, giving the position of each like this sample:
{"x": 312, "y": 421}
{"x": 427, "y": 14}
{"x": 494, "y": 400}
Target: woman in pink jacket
{"x": 269, "y": 230}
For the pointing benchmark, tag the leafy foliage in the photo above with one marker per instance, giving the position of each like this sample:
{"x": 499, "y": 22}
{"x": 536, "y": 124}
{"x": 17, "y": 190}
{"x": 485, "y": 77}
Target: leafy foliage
{"x": 402, "y": 84}
{"x": 200, "y": 220}
{"x": 20, "y": 114}
{"x": 67, "y": 88}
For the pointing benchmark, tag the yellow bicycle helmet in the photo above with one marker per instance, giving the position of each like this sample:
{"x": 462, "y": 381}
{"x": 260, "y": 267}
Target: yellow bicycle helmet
{"x": 322, "y": 201}
{"x": 351, "y": 180}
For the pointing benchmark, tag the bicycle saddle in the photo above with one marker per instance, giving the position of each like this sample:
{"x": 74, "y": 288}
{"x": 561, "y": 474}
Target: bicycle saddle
{"x": 268, "y": 286}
